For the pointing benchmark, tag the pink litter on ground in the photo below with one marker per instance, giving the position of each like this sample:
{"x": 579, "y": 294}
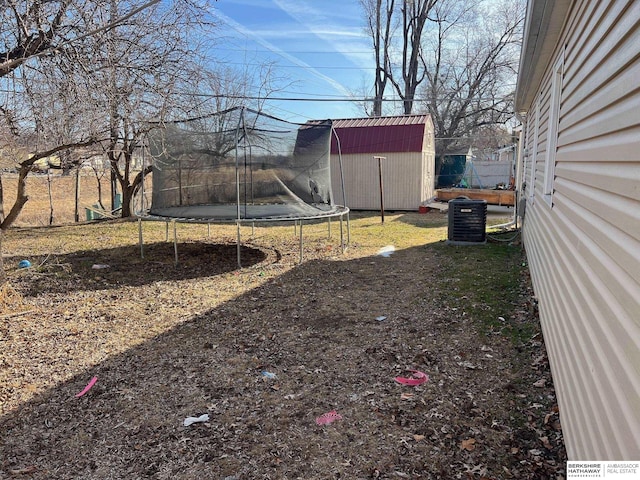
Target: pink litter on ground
{"x": 88, "y": 387}
{"x": 417, "y": 378}
{"x": 329, "y": 417}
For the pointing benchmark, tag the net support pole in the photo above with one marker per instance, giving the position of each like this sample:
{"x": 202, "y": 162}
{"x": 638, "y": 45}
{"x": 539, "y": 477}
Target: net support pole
{"x": 140, "y": 238}
{"x": 175, "y": 242}
{"x": 341, "y": 235}
{"x": 241, "y": 124}
{"x": 238, "y": 242}
{"x": 348, "y": 228}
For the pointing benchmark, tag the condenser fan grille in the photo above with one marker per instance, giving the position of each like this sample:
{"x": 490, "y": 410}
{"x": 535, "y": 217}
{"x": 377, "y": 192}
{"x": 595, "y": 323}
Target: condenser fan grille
{"x": 467, "y": 221}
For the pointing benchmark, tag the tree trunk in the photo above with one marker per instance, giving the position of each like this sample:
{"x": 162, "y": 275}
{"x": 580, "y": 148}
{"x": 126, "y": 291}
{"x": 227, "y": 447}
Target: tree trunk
{"x": 13, "y": 213}
{"x": 127, "y": 195}
{"x": 3, "y": 274}
{"x": 21, "y": 197}
{"x": 1, "y": 202}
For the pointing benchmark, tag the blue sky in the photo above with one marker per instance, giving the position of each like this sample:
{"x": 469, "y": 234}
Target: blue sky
{"x": 320, "y": 46}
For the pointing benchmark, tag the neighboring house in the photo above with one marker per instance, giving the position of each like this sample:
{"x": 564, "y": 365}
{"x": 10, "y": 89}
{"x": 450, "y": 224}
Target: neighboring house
{"x": 408, "y": 146}
{"x": 579, "y": 96}
{"x": 44, "y": 164}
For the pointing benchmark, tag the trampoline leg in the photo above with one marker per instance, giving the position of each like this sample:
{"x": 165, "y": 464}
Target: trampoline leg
{"x": 208, "y": 230}
{"x": 140, "y": 238}
{"x": 341, "y": 235}
{"x": 166, "y": 231}
{"x": 238, "y": 244}
{"x": 295, "y": 227}
{"x": 175, "y": 242}
{"x": 329, "y": 225}
{"x": 253, "y": 229}
{"x": 300, "y": 241}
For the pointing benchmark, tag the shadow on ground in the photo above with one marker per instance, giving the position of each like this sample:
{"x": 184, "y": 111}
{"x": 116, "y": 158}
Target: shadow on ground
{"x": 123, "y": 266}
{"x": 334, "y": 334}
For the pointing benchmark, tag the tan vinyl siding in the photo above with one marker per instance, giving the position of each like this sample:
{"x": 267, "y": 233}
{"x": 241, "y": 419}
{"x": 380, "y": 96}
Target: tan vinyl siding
{"x": 584, "y": 249}
{"x": 407, "y": 180}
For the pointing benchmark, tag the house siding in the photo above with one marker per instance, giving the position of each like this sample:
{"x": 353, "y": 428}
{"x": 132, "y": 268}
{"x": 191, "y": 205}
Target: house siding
{"x": 584, "y": 247}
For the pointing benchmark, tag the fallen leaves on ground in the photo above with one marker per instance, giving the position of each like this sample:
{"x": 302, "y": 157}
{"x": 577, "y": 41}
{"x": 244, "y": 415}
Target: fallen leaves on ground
{"x": 169, "y": 342}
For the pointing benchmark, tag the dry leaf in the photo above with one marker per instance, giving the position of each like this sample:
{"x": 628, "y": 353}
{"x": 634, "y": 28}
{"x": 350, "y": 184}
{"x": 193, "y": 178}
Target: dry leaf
{"x": 417, "y": 437}
{"x": 545, "y": 443}
{"x": 24, "y": 471}
{"x": 468, "y": 444}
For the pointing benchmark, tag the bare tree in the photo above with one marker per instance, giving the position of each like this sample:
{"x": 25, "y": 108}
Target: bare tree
{"x": 471, "y": 70}
{"x": 46, "y": 88}
{"x": 398, "y": 60}
{"x": 415, "y": 14}
{"x": 441, "y": 42}
{"x": 381, "y": 22}
{"x": 29, "y": 29}
{"x": 136, "y": 71}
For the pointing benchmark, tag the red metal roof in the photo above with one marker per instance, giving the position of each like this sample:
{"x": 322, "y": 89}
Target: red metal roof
{"x": 380, "y": 121}
{"x": 379, "y": 135}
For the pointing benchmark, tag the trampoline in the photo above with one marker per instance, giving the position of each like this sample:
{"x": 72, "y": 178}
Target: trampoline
{"x": 241, "y": 166}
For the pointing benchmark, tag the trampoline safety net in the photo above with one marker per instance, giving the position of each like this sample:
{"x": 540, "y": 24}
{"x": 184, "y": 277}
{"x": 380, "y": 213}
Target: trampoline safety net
{"x": 241, "y": 164}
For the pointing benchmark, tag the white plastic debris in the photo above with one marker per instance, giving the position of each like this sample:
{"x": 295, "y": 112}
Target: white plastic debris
{"x": 386, "y": 251}
{"x": 99, "y": 266}
{"x": 190, "y": 420}
{"x": 381, "y": 318}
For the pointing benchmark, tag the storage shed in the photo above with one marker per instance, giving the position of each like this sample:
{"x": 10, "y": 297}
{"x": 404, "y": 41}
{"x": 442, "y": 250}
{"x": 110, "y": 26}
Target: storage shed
{"x": 408, "y": 168}
{"x": 578, "y": 97}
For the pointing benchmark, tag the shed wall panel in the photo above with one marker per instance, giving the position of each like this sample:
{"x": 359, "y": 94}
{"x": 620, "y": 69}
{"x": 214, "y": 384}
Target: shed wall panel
{"x": 407, "y": 181}
{"x": 584, "y": 245}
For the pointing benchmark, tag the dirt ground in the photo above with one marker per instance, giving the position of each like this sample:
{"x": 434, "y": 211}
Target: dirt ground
{"x": 266, "y": 350}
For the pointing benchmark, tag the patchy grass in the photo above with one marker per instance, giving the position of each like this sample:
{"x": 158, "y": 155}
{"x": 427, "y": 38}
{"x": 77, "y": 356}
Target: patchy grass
{"x": 486, "y": 282}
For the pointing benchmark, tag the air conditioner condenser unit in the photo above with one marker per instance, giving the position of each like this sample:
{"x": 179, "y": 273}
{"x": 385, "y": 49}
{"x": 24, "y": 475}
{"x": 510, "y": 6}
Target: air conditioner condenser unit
{"x": 467, "y": 221}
